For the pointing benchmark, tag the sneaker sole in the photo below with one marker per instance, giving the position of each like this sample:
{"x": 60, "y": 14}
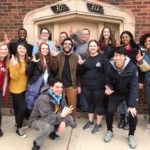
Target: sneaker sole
{"x": 107, "y": 141}
{"x": 22, "y": 137}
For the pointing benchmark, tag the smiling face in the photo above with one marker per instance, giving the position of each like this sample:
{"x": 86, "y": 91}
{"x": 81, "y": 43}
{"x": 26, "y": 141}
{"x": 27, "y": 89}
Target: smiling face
{"x": 147, "y": 43}
{"x": 3, "y": 51}
{"x": 57, "y": 88}
{"x": 125, "y": 39}
{"x": 44, "y": 34}
{"x": 44, "y": 49}
{"x": 93, "y": 48}
{"x": 67, "y": 46}
{"x": 85, "y": 35}
{"x": 62, "y": 37}
{"x": 106, "y": 33}
{"x": 22, "y": 34}
{"x": 21, "y": 50}
{"x": 119, "y": 60}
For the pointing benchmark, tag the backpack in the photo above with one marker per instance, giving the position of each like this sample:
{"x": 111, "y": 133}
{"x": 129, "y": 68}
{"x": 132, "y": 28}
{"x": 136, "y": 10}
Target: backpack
{"x": 32, "y": 92}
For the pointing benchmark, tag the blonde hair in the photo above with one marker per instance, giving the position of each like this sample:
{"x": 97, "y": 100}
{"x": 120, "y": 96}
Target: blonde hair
{"x": 8, "y": 56}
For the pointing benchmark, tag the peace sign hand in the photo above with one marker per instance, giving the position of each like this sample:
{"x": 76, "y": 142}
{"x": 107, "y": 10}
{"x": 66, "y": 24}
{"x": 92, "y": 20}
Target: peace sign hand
{"x": 13, "y": 60}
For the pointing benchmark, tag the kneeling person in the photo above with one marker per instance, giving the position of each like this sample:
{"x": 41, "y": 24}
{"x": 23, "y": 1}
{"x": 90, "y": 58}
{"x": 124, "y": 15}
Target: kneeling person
{"x": 49, "y": 111}
{"x": 122, "y": 84}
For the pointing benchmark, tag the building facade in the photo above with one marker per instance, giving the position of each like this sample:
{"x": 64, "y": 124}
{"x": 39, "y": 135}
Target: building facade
{"x": 66, "y": 15}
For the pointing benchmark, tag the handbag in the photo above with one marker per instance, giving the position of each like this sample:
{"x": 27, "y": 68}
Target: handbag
{"x": 32, "y": 92}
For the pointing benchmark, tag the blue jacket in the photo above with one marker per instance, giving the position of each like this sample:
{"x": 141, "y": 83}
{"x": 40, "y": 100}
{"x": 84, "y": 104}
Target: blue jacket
{"x": 147, "y": 59}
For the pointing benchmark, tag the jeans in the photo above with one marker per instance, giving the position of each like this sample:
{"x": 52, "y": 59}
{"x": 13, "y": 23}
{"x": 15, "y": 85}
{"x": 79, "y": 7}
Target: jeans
{"x": 82, "y": 102}
{"x": 123, "y": 108}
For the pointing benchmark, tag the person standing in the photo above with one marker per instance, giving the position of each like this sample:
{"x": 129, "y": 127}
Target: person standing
{"x": 44, "y": 37}
{"x": 144, "y": 65}
{"x": 4, "y": 57}
{"x": 122, "y": 84}
{"x": 65, "y": 67}
{"x": 93, "y": 71}
{"x": 22, "y": 36}
{"x": 17, "y": 86}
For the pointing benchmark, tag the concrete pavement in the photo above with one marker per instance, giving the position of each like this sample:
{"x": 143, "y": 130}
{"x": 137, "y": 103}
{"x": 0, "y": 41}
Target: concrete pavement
{"x": 75, "y": 139}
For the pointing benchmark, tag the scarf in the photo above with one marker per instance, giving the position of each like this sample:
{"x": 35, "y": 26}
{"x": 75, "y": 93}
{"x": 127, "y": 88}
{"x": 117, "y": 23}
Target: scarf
{"x": 56, "y": 99}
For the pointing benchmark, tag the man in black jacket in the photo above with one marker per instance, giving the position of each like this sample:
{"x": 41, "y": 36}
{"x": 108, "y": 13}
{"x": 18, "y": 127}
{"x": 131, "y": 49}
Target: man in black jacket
{"x": 22, "y": 35}
{"x": 122, "y": 84}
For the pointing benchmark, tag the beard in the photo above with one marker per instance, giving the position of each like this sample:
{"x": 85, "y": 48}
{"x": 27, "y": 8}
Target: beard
{"x": 67, "y": 52}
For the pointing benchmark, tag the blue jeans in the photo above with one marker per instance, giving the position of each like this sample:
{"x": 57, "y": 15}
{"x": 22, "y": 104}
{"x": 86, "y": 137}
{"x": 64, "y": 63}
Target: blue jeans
{"x": 123, "y": 108}
{"x": 82, "y": 102}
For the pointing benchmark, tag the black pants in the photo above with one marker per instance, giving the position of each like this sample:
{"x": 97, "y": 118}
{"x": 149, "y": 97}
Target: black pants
{"x": 95, "y": 100}
{"x": 19, "y": 108}
{"x": 114, "y": 101}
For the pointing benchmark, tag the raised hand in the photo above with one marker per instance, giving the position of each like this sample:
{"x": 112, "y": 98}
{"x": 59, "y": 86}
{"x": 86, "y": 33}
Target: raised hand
{"x": 5, "y": 38}
{"x": 80, "y": 60}
{"x": 34, "y": 59}
{"x": 13, "y": 60}
{"x": 54, "y": 53}
{"x": 66, "y": 111}
{"x": 139, "y": 56}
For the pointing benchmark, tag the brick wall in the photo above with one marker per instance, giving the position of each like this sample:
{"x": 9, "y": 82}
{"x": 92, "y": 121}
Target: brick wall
{"x": 12, "y": 13}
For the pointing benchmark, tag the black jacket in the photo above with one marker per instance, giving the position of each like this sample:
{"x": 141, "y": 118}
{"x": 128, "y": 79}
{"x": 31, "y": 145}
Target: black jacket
{"x": 93, "y": 72}
{"x": 125, "y": 83}
{"x": 34, "y": 71}
{"x": 13, "y": 47}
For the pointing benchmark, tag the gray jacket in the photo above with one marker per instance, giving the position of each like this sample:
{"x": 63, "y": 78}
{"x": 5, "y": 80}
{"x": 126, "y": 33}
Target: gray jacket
{"x": 44, "y": 109}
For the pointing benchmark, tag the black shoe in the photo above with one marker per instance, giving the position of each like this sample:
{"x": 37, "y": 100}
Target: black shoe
{"x": 88, "y": 125}
{"x": 1, "y": 133}
{"x": 35, "y": 146}
{"x": 73, "y": 124}
{"x": 126, "y": 125}
{"x": 20, "y": 133}
{"x": 121, "y": 123}
{"x": 54, "y": 136}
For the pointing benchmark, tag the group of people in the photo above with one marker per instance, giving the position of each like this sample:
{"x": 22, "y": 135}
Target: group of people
{"x": 49, "y": 80}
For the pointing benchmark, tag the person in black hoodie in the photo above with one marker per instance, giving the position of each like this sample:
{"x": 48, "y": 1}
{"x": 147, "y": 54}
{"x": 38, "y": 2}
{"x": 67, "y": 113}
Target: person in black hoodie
{"x": 122, "y": 84}
{"x": 93, "y": 71}
{"x": 127, "y": 41}
{"x": 22, "y": 35}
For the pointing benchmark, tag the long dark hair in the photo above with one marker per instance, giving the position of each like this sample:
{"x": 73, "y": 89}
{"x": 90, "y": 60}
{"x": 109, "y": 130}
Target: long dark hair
{"x": 26, "y": 55}
{"x": 101, "y": 41}
{"x": 47, "y": 57}
{"x": 132, "y": 42}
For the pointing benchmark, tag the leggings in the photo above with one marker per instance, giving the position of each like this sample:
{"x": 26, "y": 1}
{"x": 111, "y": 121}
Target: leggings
{"x": 19, "y": 108}
{"x": 95, "y": 100}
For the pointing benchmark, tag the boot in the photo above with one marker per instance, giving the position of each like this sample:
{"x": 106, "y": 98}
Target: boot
{"x": 126, "y": 125}
{"x": 121, "y": 122}
{"x": 35, "y": 146}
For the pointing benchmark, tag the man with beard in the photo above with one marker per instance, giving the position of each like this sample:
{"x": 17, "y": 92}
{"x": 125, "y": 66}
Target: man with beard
{"x": 64, "y": 65}
{"x": 22, "y": 35}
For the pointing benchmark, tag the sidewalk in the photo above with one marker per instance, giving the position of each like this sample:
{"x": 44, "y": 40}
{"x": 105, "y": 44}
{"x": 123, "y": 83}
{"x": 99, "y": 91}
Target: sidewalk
{"x": 75, "y": 139}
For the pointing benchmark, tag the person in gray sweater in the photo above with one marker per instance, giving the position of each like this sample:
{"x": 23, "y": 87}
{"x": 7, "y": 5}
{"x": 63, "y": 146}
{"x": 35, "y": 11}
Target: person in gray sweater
{"x": 50, "y": 111}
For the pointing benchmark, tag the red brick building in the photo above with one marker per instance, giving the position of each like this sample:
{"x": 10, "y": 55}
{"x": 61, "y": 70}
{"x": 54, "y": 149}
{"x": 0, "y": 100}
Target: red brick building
{"x": 134, "y": 15}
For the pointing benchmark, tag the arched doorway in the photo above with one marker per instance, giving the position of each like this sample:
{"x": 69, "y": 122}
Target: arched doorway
{"x": 65, "y": 14}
